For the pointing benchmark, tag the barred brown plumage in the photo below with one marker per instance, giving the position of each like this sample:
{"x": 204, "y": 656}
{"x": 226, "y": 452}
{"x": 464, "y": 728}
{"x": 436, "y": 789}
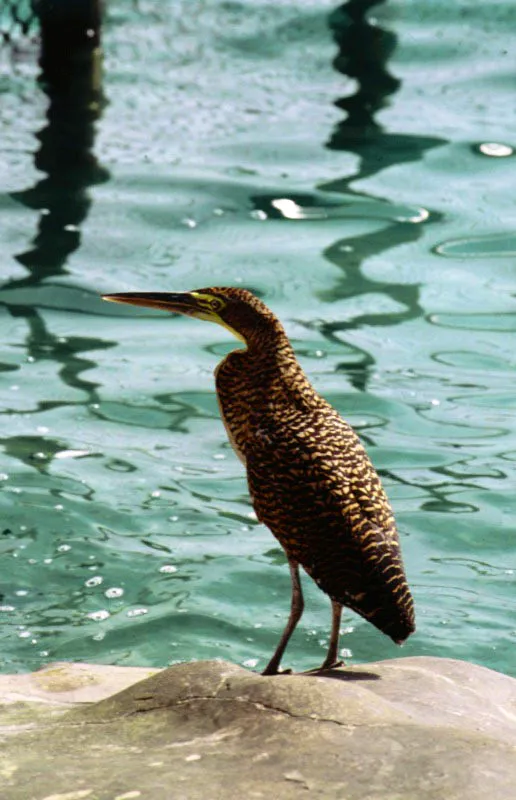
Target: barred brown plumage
{"x": 310, "y": 479}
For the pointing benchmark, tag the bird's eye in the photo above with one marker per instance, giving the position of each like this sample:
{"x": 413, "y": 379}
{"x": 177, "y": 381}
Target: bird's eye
{"x": 216, "y": 304}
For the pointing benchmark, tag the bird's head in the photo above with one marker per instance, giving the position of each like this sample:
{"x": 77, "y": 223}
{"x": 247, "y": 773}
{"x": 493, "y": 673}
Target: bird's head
{"x": 239, "y": 310}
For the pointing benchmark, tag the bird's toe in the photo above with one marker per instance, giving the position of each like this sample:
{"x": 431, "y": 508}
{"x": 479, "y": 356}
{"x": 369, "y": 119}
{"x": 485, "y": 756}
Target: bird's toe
{"x": 333, "y": 664}
{"x": 277, "y": 672}
{"x": 325, "y": 666}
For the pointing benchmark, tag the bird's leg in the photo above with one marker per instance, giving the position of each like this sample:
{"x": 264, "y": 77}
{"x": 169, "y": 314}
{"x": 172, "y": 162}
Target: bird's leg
{"x": 331, "y": 658}
{"x": 296, "y": 609}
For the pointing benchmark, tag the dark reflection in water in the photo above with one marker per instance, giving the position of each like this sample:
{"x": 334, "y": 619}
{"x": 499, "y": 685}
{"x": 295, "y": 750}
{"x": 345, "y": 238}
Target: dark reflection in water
{"x": 34, "y": 451}
{"x": 42, "y": 344}
{"x": 363, "y": 52}
{"x": 70, "y": 77}
{"x": 364, "y": 49}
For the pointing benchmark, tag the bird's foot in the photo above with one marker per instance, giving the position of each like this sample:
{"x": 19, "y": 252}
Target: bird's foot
{"x": 333, "y": 664}
{"x": 273, "y": 671}
{"x": 325, "y": 666}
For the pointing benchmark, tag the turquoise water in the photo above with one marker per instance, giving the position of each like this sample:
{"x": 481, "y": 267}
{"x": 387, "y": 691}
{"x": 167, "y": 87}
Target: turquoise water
{"x": 357, "y": 171}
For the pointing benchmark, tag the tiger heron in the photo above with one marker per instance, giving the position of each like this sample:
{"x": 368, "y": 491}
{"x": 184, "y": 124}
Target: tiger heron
{"x": 310, "y": 479}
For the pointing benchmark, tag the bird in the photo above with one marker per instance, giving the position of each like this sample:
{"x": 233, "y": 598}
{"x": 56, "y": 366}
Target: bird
{"x": 310, "y": 479}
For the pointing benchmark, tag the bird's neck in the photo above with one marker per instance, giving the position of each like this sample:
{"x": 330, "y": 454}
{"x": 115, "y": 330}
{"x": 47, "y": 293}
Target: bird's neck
{"x": 272, "y": 366}
{"x": 265, "y": 377}
{"x": 267, "y": 341}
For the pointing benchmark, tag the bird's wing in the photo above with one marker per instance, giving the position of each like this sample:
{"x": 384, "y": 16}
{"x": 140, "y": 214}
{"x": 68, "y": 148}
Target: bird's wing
{"x": 305, "y": 464}
{"x": 313, "y": 485}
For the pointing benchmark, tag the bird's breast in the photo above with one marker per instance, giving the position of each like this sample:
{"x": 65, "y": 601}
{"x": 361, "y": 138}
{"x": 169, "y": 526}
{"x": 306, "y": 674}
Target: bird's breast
{"x": 234, "y": 396}
{"x": 256, "y": 391}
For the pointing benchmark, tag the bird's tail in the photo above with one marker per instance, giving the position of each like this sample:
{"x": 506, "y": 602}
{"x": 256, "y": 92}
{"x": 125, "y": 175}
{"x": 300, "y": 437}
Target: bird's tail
{"x": 395, "y": 618}
{"x": 387, "y": 602}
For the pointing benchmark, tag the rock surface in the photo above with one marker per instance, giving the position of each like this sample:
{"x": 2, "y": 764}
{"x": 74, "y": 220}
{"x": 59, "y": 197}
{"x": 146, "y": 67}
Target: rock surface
{"x": 407, "y": 729}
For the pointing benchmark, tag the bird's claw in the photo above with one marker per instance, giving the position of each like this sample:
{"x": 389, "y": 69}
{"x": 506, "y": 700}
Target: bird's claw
{"x": 332, "y": 665}
{"x": 277, "y": 672}
{"x": 324, "y": 667}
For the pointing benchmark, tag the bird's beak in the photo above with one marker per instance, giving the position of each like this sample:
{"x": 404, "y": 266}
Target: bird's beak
{"x": 182, "y": 303}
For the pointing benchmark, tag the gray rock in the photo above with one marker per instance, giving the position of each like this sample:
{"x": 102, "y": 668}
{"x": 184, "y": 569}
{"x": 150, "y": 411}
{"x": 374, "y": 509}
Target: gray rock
{"x": 408, "y": 729}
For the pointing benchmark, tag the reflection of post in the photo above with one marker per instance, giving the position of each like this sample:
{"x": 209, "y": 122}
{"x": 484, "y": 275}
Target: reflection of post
{"x": 362, "y": 55}
{"x": 70, "y": 42}
{"x": 68, "y": 353}
{"x": 363, "y": 52}
{"x": 70, "y": 77}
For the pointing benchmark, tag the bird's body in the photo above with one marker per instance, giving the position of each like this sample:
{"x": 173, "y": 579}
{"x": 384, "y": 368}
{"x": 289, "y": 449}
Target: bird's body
{"x": 310, "y": 479}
